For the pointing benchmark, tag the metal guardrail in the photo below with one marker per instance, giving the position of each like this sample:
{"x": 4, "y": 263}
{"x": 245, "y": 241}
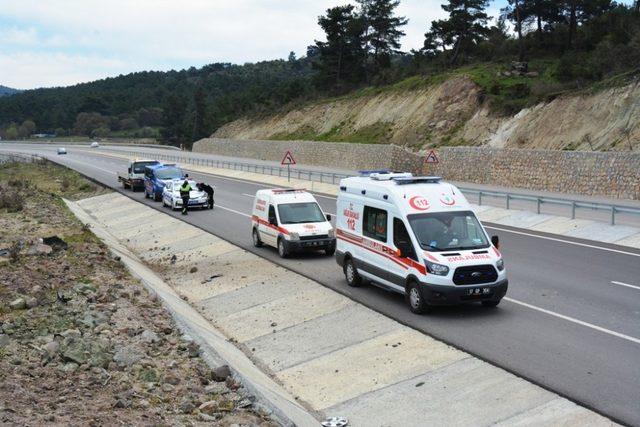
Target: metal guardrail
{"x": 334, "y": 178}
{"x": 540, "y": 200}
{"x": 301, "y": 174}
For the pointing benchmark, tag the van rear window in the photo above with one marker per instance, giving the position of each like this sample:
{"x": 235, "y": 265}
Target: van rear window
{"x": 374, "y": 223}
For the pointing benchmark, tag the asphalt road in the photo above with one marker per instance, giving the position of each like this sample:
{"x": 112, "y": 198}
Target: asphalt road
{"x": 570, "y": 322}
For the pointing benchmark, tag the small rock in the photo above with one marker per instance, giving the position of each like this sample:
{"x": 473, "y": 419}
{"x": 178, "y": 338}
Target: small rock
{"x": 149, "y": 336}
{"x": 52, "y": 348}
{"x": 31, "y": 302}
{"x": 273, "y": 324}
{"x": 172, "y": 379}
{"x": 193, "y": 269}
{"x": 4, "y": 340}
{"x": 84, "y": 288}
{"x": 71, "y": 333}
{"x": 208, "y": 407}
{"x": 221, "y": 373}
{"x": 168, "y": 388}
{"x": 128, "y": 356}
{"x": 40, "y": 249}
{"x": 50, "y": 418}
{"x": 69, "y": 367}
{"x": 173, "y": 259}
{"x": 207, "y": 418}
{"x": 186, "y": 406}
{"x": 216, "y": 388}
{"x": 18, "y": 304}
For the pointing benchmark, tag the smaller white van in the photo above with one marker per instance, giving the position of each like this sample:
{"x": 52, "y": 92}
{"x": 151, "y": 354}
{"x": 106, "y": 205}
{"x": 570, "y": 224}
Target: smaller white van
{"x": 419, "y": 237}
{"x": 291, "y": 220}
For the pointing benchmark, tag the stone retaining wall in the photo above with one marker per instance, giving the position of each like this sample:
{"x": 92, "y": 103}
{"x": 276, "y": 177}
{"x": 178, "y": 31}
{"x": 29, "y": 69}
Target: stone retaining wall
{"x": 611, "y": 174}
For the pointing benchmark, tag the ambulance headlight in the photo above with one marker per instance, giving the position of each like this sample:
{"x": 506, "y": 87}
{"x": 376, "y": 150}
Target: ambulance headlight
{"x": 294, "y": 236}
{"x": 437, "y": 269}
{"x": 500, "y": 264}
{"x": 332, "y": 233}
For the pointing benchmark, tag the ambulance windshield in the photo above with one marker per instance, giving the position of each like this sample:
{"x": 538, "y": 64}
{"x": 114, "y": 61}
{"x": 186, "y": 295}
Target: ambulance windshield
{"x": 446, "y": 231}
{"x": 299, "y": 213}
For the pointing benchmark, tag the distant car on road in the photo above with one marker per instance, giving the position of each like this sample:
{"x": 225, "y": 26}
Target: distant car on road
{"x": 62, "y": 150}
{"x": 95, "y": 144}
{"x": 171, "y": 195}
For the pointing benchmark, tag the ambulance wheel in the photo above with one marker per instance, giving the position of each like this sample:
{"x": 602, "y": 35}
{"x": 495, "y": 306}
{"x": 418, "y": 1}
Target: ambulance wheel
{"x": 256, "y": 238}
{"x": 414, "y": 298}
{"x": 491, "y": 303}
{"x": 351, "y": 274}
{"x": 283, "y": 251}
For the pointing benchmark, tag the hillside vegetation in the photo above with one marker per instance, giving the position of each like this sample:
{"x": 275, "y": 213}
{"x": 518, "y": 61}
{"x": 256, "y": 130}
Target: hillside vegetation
{"x": 459, "y": 110}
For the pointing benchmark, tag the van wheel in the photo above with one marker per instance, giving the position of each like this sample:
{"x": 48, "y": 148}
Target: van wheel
{"x": 256, "y": 238}
{"x": 491, "y": 303}
{"x": 351, "y": 274}
{"x": 413, "y": 296}
{"x": 330, "y": 252}
{"x": 156, "y": 198}
{"x": 282, "y": 248}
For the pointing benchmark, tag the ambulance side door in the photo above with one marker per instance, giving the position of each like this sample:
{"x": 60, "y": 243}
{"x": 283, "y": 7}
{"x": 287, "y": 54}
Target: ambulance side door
{"x": 402, "y": 243}
{"x": 375, "y": 231}
{"x": 268, "y": 230}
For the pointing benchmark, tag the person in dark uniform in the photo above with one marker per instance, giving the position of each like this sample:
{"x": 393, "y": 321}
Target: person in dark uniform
{"x": 209, "y": 190}
{"x": 185, "y": 189}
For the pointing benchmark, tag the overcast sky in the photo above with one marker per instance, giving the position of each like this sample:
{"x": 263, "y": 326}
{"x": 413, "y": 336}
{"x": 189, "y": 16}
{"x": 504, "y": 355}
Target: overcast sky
{"x": 47, "y": 43}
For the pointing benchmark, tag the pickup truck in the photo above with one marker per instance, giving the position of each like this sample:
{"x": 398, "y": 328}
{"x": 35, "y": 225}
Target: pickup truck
{"x": 133, "y": 178}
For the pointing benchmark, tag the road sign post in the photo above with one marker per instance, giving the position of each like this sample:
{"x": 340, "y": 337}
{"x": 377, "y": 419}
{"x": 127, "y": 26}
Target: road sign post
{"x": 288, "y": 160}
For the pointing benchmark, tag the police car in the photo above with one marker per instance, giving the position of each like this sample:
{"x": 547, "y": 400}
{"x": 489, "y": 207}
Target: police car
{"x": 419, "y": 237}
{"x": 171, "y": 195}
{"x": 291, "y": 220}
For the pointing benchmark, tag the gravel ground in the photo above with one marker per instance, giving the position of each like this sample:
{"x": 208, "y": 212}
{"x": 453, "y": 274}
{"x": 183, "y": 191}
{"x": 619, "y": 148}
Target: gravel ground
{"x": 81, "y": 341}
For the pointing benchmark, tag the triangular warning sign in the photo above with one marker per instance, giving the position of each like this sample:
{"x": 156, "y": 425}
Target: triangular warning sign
{"x": 431, "y": 157}
{"x": 288, "y": 159}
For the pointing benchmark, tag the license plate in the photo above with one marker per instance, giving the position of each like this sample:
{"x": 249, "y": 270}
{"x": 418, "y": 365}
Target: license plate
{"x": 478, "y": 291}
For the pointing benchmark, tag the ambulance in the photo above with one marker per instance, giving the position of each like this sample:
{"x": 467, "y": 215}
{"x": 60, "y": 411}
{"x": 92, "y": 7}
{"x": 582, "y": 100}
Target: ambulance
{"x": 291, "y": 221}
{"x": 419, "y": 237}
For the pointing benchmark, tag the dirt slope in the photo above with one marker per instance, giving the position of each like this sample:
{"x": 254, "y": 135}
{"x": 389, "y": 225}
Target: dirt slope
{"x": 453, "y": 113}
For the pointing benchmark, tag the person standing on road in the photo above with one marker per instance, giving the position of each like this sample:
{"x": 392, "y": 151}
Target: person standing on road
{"x": 209, "y": 190}
{"x": 185, "y": 189}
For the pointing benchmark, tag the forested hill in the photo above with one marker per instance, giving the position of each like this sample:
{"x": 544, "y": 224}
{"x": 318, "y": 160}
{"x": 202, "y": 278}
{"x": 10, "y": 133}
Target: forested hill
{"x": 177, "y": 106}
{"x": 535, "y": 50}
{"x": 5, "y": 91}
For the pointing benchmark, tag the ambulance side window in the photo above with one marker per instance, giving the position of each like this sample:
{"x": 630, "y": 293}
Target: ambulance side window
{"x": 272, "y": 215}
{"x": 400, "y": 234}
{"x": 374, "y": 224}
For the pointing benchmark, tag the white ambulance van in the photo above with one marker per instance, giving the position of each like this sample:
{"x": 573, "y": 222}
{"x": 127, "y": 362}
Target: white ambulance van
{"x": 417, "y": 236}
{"x": 291, "y": 220}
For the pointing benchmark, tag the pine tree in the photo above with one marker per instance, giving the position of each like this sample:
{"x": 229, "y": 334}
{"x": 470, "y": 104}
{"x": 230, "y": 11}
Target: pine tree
{"x": 340, "y": 60}
{"x": 466, "y": 26}
{"x": 382, "y": 31}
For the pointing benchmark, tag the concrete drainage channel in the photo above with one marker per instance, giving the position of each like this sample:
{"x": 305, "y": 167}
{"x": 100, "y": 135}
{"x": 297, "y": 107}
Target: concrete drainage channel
{"x": 284, "y": 335}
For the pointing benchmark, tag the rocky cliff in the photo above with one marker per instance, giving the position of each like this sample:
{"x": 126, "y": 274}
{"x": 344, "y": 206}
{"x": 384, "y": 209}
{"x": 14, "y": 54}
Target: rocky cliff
{"x": 455, "y": 112}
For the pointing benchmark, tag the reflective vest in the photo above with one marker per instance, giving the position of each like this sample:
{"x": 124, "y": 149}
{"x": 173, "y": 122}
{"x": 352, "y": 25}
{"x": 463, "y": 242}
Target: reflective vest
{"x": 185, "y": 189}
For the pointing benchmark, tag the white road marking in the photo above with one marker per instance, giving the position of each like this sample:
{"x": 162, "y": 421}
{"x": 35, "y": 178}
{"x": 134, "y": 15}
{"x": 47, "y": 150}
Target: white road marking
{"x": 248, "y": 195}
{"x": 233, "y": 210}
{"x": 574, "y": 320}
{"x": 563, "y": 241}
{"x": 625, "y": 284}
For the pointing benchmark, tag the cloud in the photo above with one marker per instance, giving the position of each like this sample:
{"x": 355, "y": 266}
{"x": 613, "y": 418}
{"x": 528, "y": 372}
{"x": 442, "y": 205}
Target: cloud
{"x": 29, "y": 70}
{"x": 125, "y": 36}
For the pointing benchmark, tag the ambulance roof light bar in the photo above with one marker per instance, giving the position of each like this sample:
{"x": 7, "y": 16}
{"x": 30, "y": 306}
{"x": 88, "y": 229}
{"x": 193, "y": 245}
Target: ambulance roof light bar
{"x": 418, "y": 180}
{"x": 365, "y": 173}
{"x": 288, "y": 190}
